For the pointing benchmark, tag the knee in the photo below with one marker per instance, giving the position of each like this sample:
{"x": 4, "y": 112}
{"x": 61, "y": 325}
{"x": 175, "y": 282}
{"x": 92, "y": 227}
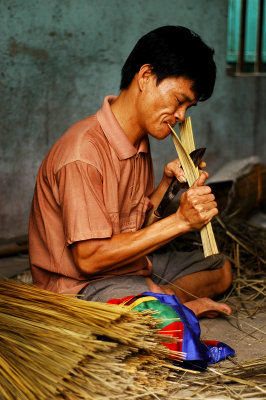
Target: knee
{"x": 226, "y": 276}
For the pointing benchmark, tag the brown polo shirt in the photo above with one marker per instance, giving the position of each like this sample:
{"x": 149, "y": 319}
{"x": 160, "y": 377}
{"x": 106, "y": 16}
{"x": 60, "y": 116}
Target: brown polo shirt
{"x": 91, "y": 185}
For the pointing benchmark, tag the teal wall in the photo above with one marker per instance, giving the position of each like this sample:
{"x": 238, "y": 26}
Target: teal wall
{"x": 59, "y": 58}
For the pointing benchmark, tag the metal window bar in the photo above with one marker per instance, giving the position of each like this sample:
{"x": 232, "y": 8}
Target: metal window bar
{"x": 240, "y": 60}
{"x": 258, "y": 63}
{"x": 241, "y": 52}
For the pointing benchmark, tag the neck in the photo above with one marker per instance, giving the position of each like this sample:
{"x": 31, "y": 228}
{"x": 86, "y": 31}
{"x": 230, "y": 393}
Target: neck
{"x": 124, "y": 109}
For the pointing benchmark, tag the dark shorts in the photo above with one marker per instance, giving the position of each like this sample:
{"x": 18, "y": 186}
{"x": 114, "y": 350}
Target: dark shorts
{"x": 166, "y": 267}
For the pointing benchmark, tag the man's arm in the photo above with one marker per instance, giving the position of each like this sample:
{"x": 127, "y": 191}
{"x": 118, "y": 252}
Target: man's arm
{"x": 197, "y": 207}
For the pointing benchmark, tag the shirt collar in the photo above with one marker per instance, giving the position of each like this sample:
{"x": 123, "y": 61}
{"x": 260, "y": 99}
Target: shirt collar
{"x": 115, "y": 135}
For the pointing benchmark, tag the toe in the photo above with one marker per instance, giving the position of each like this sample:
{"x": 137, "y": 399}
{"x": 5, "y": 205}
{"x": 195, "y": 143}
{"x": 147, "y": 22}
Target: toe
{"x": 226, "y": 309}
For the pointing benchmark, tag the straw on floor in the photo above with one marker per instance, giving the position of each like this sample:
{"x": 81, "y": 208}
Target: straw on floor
{"x": 55, "y": 346}
{"x": 58, "y": 347}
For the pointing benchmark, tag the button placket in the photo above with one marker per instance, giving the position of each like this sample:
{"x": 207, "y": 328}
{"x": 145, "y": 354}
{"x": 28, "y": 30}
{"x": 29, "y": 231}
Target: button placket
{"x": 135, "y": 177}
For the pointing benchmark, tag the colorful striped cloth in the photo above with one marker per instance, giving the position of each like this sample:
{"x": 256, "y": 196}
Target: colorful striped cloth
{"x": 180, "y": 322}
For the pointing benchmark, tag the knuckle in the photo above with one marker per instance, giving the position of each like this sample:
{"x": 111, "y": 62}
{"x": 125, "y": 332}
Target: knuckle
{"x": 190, "y": 192}
{"x": 200, "y": 209}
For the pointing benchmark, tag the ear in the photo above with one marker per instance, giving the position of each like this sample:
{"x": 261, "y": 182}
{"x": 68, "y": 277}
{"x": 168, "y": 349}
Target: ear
{"x": 144, "y": 75}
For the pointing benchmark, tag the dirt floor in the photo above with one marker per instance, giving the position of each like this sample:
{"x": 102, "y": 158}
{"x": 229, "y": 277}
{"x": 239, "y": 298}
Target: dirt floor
{"x": 245, "y": 335}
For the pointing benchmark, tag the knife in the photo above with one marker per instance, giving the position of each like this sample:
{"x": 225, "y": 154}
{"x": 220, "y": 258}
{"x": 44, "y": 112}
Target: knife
{"x": 175, "y": 185}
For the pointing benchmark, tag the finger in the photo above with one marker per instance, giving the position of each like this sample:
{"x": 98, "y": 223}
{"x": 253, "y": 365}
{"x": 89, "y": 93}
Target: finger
{"x": 198, "y": 191}
{"x": 181, "y": 177}
{"x": 174, "y": 170}
{"x": 203, "y": 207}
{"x": 202, "y": 164}
{"x": 212, "y": 213}
{"x": 207, "y": 215}
{"x": 203, "y": 198}
{"x": 179, "y": 174}
{"x": 201, "y": 179}
{"x": 176, "y": 162}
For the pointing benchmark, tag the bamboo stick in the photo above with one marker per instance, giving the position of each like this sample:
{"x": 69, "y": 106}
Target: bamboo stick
{"x": 186, "y": 135}
{"x": 192, "y": 173}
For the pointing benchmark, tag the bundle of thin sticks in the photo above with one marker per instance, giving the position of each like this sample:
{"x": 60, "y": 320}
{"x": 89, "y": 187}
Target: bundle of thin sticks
{"x": 183, "y": 149}
{"x": 59, "y": 347}
{"x": 56, "y": 346}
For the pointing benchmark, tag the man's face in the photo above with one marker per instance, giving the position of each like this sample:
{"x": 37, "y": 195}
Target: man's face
{"x": 163, "y": 104}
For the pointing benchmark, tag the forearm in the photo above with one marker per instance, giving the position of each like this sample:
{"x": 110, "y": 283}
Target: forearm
{"x": 155, "y": 199}
{"x": 197, "y": 208}
{"x": 94, "y": 256}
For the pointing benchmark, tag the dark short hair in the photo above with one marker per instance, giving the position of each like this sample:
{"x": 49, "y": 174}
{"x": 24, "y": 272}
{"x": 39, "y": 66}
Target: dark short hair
{"x": 173, "y": 51}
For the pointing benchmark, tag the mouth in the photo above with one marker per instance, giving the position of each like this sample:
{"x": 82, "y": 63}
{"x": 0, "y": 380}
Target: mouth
{"x": 171, "y": 124}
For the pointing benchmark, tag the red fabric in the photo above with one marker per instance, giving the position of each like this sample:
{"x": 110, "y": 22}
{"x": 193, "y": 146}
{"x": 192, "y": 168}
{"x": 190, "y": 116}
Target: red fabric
{"x": 119, "y": 301}
{"x": 175, "y": 329}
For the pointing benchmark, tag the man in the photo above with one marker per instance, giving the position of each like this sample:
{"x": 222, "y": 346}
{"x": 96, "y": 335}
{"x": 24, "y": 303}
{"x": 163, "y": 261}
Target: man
{"x": 95, "y": 188}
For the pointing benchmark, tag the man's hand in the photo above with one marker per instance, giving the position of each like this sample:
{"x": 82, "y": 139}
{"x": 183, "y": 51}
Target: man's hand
{"x": 174, "y": 168}
{"x": 197, "y": 204}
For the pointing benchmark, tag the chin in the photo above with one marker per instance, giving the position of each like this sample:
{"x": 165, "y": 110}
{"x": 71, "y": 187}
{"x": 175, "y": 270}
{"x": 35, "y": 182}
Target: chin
{"x": 161, "y": 134}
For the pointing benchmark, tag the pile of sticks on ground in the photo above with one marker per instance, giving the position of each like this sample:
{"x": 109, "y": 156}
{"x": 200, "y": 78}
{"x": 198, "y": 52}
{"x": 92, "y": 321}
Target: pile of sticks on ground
{"x": 244, "y": 245}
{"x": 245, "y": 380}
{"x": 241, "y": 242}
{"x": 54, "y": 346}
{"x": 58, "y": 347}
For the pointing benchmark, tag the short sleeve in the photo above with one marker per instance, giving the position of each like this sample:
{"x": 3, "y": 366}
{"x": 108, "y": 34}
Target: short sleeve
{"x": 82, "y": 204}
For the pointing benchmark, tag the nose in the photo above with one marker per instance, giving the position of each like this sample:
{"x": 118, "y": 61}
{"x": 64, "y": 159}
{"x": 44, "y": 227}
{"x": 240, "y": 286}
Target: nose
{"x": 180, "y": 114}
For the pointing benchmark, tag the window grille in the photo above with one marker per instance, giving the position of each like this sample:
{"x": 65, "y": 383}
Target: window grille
{"x": 246, "y": 49}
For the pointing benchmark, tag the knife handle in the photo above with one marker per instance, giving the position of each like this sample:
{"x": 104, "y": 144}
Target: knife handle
{"x": 172, "y": 190}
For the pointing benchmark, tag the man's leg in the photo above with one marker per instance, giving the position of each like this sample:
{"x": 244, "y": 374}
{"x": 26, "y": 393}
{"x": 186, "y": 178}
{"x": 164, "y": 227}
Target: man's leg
{"x": 195, "y": 290}
{"x": 114, "y": 288}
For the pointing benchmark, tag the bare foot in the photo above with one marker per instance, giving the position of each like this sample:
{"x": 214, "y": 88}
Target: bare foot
{"x": 205, "y": 307}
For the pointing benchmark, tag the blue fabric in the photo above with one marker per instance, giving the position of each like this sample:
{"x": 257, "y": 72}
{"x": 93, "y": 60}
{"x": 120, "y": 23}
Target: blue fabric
{"x": 220, "y": 352}
{"x": 199, "y": 355}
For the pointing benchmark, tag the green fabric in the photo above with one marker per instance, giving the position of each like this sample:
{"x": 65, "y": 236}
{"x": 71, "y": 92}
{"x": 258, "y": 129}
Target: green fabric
{"x": 164, "y": 312}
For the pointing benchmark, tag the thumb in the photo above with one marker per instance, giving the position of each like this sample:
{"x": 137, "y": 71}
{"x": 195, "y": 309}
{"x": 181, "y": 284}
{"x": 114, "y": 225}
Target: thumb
{"x": 201, "y": 179}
